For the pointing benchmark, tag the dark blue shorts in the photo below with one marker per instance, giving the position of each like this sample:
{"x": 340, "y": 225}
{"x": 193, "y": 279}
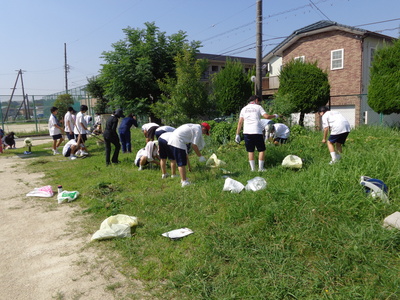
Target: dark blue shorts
{"x": 338, "y": 138}
{"x": 159, "y": 132}
{"x": 180, "y": 156}
{"x": 56, "y": 137}
{"x": 84, "y": 137}
{"x": 164, "y": 150}
{"x": 253, "y": 141}
{"x": 68, "y": 153}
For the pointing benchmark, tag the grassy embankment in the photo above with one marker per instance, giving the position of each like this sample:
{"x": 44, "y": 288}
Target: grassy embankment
{"x": 311, "y": 234}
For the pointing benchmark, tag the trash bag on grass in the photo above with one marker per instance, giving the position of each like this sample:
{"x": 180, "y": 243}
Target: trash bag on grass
{"x": 232, "y": 186}
{"x": 67, "y": 196}
{"x": 292, "y": 161}
{"x": 118, "y": 226}
{"x": 44, "y": 191}
{"x": 177, "y": 233}
{"x": 256, "y": 184}
{"x": 214, "y": 162}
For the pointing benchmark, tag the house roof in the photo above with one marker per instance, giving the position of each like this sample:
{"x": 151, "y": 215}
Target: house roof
{"x": 222, "y": 58}
{"x": 318, "y": 27}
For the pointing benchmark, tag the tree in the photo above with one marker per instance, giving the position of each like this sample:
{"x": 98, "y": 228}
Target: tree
{"x": 384, "y": 87}
{"x": 131, "y": 70}
{"x": 184, "y": 98}
{"x": 62, "y": 103}
{"x": 96, "y": 89}
{"x": 231, "y": 88}
{"x": 303, "y": 87}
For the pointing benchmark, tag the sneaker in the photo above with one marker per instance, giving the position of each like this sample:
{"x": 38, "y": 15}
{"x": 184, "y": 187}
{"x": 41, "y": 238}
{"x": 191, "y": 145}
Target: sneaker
{"x": 83, "y": 153}
{"x": 55, "y": 152}
{"x": 78, "y": 153}
{"x": 164, "y": 175}
{"x": 333, "y": 162}
{"x": 185, "y": 183}
{"x": 262, "y": 170}
{"x": 174, "y": 176}
{"x": 72, "y": 157}
{"x": 140, "y": 168}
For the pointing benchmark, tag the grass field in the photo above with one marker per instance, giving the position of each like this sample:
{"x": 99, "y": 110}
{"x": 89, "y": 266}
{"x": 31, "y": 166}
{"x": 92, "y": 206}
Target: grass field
{"x": 312, "y": 233}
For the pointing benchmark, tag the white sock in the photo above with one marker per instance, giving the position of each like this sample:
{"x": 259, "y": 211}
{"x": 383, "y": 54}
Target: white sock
{"x": 252, "y": 165}
{"x": 260, "y": 164}
{"x": 333, "y": 155}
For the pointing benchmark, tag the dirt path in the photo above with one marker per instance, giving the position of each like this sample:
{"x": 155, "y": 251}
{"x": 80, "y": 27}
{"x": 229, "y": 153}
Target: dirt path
{"x": 41, "y": 256}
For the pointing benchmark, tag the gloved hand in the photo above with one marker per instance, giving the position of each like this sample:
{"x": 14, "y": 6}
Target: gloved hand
{"x": 237, "y": 139}
{"x": 202, "y": 159}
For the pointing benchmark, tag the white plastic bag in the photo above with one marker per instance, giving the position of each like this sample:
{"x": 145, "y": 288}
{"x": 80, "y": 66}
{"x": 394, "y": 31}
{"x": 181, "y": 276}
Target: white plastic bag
{"x": 232, "y": 186}
{"x": 66, "y": 196}
{"x": 256, "y": 184}
{"x": 392, "y": 221}
{"x": 292, "y": 161}
{"x": 118, "y": 226}
{"x": 44, "y": 191}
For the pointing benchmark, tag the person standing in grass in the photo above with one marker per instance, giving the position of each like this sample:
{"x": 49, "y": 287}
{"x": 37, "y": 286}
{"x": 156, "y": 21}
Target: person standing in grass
{"x": 81, "y": 128}
{"x": 339, "y": 128}
{"x": 180, "y": 137}
{"x": 111, "y": 137}
{"x": 55, "y": 130}
{"x": 69, "y": 123}
{"x": 124, "y": 131}
{"x": 250, "y": 116}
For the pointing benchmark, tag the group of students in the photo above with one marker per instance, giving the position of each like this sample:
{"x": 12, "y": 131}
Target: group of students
{"x": 162, "y": 143}
{"x": 76, "y": 129}
{"x": 253, "y": 127}
{"x": 7, "y": 141}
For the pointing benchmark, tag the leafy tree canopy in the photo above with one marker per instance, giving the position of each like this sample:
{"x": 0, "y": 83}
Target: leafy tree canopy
{"x": 62, "y": 103}
{"x": 184, "y": 98}
{"x": 303, "y": 87}
{"x": 96, "y": 89}
{"x": 384, "y": 87}
{"x": 131, "y": 70}
{"x": 231, "y": 88}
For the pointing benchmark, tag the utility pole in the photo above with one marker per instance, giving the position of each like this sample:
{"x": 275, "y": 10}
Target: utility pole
{"x": 258, "y": 82}
{"x": 66, "y": 68}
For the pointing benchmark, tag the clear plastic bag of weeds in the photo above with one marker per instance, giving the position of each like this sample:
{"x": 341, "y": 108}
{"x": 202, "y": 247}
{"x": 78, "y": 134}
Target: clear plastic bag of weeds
{"x": 232, "y": 186}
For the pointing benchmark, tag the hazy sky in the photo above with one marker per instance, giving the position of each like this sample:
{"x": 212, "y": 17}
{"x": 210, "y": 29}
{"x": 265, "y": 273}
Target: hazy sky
{"x": 33, "y": 33}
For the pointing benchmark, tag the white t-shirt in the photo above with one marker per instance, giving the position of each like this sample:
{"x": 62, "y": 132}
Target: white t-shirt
{"x": 67, "y": 146}
{"x": 151, "y": 150}
{"x": 335, "y": 120}
{"x": 68, "y": 117}
{"x": 139, "y": 154}
{"x": 53, "y": 130}
{"x": 185, "y": 134}
{"x": 165, "y": 128}
{"x": 80, "y": 118}
{"x": 147, "y": 126}
{"x": 166, "y": 136}
{"x": 281, "y": 131}
{"x": 251, "y": 115}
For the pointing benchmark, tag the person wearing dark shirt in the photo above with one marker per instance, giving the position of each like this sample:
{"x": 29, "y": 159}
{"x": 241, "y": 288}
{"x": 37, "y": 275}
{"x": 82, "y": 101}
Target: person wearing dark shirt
{"x": 124, "y": 131}
{"x": 111, "y": 137}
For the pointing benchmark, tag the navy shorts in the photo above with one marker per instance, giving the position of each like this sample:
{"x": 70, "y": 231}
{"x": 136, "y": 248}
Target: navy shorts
{"x": 84, "y": 137}
{"x": 253, "y": 141}
{"x": 56, "y": 137}
{"x": 180, "y": 156}
{"x": 164, "y": 150}
{"x": 159, "y": 132}
{"x": 338, "y": 138}
{"x": 68, "y": 153}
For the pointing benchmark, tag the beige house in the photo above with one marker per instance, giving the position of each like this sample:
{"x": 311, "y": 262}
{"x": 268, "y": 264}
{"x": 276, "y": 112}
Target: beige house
{"x": 345, "y": 53}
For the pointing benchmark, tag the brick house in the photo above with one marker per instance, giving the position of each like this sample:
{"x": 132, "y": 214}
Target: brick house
{"x": 345, "y": 53}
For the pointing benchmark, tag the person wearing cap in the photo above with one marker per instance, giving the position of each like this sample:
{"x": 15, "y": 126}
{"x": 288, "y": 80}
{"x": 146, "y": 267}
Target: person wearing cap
{"x": 180, "y": 137}
{"x": 149, "y": 130}
{"x": 111, "y": 137}
{"x": 250, "y": 116}
{"x": 124, "y": 131}
{"x": 69, "y": 123}
{"x": 339, "y": 128}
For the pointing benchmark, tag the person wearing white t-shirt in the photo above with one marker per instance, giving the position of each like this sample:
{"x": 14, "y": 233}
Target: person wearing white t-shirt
{"x": 55, "y": 130}
{"x": 279, "y": 133}
{"x": 80, "y": 128}
{"x": 69, "y": 123}
{"x": 165, "y": 152}
{"x": 149, "y": 130}
{"x": 339, "y": 128}
{"x": 146, "y": 155}
{"x": 249, "y": 118}
{"x": 71, "y": 148}
{"x": 180, "y": 138}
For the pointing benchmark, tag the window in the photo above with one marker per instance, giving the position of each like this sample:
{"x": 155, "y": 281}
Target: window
{"x": 300, "y": 58}
{"x": 372, "y": 55}
{"x": 337, "y": 59}
{"x": 214, "y": 68}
